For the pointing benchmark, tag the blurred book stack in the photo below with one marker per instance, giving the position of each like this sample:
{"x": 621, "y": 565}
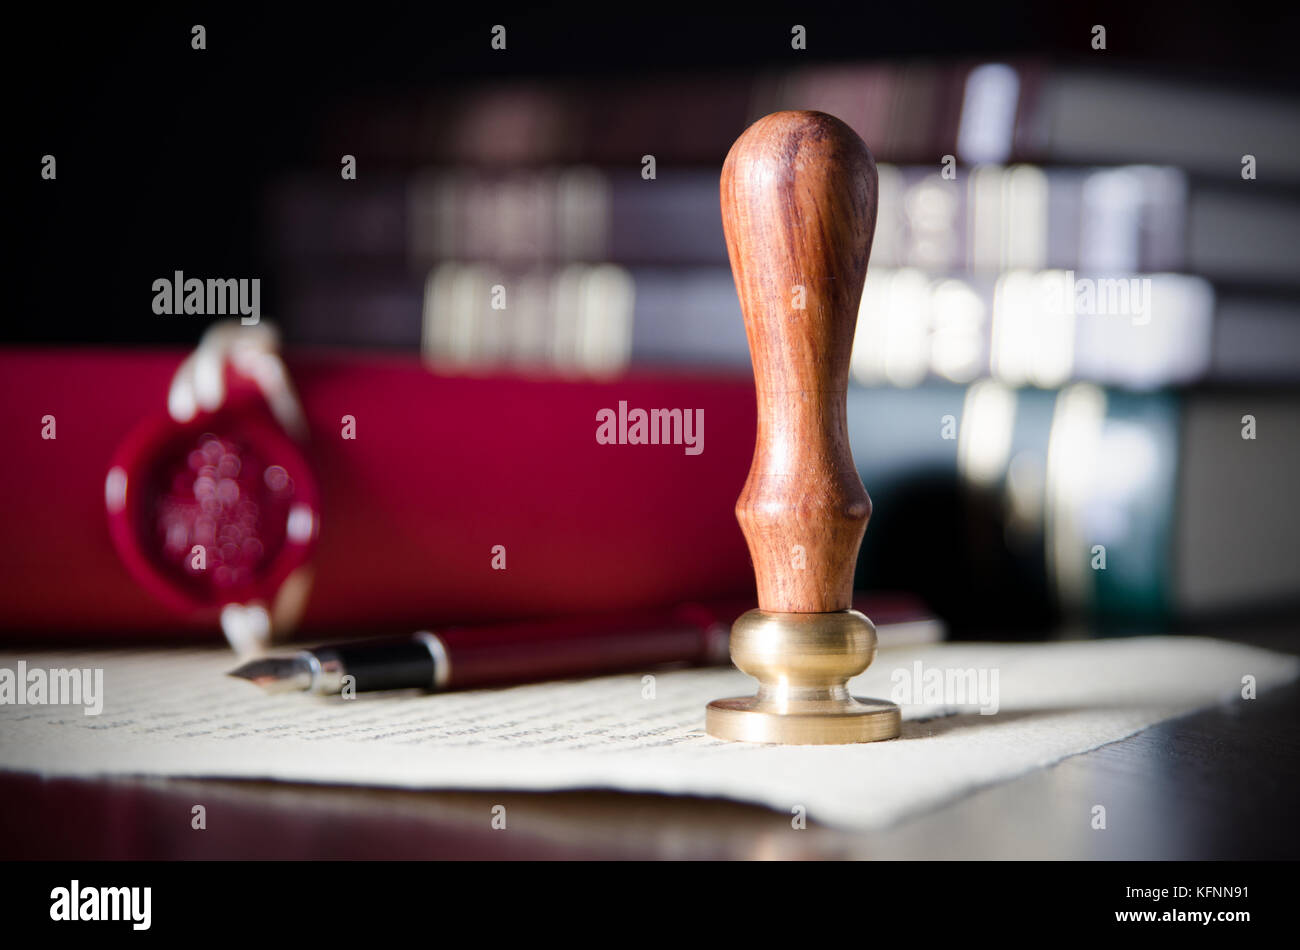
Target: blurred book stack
{"x": 1076, "y": 298}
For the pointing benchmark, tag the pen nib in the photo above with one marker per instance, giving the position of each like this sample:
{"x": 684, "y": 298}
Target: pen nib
{"x": 277, "y": 674}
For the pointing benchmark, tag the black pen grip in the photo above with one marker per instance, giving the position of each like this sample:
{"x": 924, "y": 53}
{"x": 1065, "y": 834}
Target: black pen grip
{"x": 398, "y": 664}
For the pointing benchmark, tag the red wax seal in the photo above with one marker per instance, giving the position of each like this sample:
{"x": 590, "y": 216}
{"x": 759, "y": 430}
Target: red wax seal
{"x": 215, "y": 511}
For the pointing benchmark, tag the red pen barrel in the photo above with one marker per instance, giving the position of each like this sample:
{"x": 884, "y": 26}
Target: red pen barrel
{"x": 584, "y": 646}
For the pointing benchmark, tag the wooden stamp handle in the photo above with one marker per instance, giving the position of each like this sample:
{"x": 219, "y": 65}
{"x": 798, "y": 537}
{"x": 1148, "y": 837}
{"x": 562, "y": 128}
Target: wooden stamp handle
{"x": 799, "y": 212}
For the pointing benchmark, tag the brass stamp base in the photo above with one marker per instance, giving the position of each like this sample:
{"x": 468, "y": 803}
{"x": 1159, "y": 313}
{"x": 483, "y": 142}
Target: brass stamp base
{"x": 747, "y": 719}
{"x": 802, "y": 663}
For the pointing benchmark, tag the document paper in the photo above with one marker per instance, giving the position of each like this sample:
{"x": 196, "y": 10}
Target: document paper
{"x": 173, "y": 712}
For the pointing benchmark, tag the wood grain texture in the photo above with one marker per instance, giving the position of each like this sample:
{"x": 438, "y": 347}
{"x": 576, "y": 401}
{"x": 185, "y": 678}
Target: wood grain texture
{"x": 799, "y": 211}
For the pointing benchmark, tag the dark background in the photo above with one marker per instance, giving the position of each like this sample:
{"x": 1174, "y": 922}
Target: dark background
{"x": 163, "y": 151}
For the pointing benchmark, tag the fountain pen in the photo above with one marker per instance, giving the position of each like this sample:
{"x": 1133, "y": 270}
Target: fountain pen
{"x": 506, "y": 654}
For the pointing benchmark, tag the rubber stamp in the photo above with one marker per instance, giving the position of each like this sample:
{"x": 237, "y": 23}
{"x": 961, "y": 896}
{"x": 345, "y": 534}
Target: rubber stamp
{"x": 799, "y": 210}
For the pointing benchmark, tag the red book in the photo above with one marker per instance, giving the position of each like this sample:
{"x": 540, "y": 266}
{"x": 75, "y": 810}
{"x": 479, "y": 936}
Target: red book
{"x": 408, "y": 515}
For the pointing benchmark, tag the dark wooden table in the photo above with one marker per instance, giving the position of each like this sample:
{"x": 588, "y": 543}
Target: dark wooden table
{"x": 1220, "y": 783}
